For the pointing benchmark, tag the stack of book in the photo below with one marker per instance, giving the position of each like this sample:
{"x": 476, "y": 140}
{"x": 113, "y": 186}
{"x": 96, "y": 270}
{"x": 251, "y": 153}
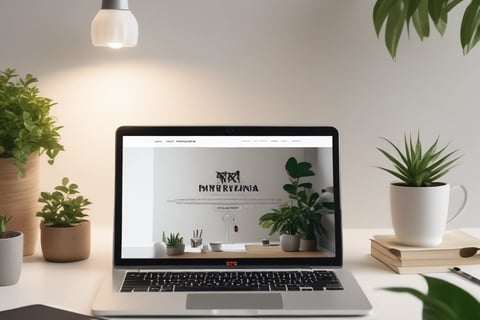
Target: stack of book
{"x": 457, "y": 248}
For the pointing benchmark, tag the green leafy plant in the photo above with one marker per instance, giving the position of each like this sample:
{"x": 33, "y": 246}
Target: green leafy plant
{"x": 174, "y": 240}
{"x": 285, "y": 220}
{"x": 303, "y": 212}
{"x": 26, "y": 126}
{"x": 64, "y": 207}
{"x": 4, "y": 220}
{"x": 444, "y": 301}
{"x": 416, "y": 168}
{"x": 397, "y": 15}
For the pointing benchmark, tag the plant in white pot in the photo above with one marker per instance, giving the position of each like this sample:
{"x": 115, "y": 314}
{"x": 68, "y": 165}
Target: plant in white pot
{"x": 26, "y": 131}
{"x": 420, "y": 202}
{"x": 65, "y": 233}
{"x": 11, "y": 253}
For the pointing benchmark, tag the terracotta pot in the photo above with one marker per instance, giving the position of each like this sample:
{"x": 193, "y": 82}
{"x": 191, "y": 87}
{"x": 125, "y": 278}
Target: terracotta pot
{"x": 19, "y": 199}
{"x": 66, "y": 244}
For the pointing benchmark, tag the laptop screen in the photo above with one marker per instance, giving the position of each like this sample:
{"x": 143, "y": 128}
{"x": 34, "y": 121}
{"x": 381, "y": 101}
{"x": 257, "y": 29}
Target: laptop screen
{"x": 227, "y": 196}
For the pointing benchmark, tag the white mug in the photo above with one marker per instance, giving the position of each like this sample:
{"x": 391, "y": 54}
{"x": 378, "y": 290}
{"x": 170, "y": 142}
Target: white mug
{"x": 420, "y": 214}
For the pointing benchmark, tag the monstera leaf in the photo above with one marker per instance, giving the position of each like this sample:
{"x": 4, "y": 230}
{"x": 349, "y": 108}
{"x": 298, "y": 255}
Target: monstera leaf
{"x": 444, "y": 301}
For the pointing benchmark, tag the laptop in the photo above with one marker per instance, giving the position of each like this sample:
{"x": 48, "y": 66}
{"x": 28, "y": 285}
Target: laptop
{"x": 198, "y": 216}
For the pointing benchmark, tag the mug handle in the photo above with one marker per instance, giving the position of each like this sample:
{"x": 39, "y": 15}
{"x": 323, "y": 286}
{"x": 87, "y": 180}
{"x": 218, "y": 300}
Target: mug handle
{"x": 465, "y": 196}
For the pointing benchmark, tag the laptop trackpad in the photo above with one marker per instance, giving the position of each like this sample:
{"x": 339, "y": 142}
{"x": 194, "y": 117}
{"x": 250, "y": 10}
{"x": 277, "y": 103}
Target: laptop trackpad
{"x": 234, "y": 301}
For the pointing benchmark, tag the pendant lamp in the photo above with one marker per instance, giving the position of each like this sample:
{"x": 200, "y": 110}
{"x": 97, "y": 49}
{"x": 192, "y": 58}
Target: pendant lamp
{"x": 114, "y": 25}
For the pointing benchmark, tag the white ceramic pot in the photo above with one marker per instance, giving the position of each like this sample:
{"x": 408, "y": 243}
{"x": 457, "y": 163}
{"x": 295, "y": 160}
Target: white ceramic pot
{"x": 290, "y": 242}
{"x": 11, "y": 258}
{"x": 420, "y": 214}
{"x": 159, "y": 249}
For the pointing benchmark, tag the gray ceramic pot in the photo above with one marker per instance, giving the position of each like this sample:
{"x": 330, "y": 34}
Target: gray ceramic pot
{"x": 11, "y": 257}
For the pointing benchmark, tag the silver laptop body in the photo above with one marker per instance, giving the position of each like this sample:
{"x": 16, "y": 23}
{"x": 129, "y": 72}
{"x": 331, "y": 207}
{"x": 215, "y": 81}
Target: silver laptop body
{"x": 212, "y": 185}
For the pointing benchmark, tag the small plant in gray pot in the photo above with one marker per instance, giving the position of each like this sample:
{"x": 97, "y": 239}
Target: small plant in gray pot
{"x": 11, "y": 253}
{"x": 419, "y": 202}
{"x": 175, "y": 245}
{"x": 65, "y": 233}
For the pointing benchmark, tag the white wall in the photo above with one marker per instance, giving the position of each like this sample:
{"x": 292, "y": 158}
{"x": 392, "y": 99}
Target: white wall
{"x": 289, "y": 62}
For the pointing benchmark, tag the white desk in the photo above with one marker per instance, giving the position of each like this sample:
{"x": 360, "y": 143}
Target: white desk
{"x": 73, "y": 286}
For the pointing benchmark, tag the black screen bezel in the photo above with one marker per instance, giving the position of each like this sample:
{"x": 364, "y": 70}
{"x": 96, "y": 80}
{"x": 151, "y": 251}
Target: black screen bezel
{"x": 123, "y": 131}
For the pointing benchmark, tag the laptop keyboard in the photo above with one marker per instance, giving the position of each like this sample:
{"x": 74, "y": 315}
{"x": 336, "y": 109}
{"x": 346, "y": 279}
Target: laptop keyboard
{"x": 231, "y": 281}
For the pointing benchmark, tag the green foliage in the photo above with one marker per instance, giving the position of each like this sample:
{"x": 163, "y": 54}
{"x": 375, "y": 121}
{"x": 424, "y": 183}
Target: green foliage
{"x": 303, "y": 213}
{"x": 285, "y": 220}
{"x": 418, "y": 169}
{"x": 396, "y": 15}
{"x": 174, "y": 240}
{"x": 25, "y": 124}
{"x": 4, "y": 220}
{"x": 444, "y": 301}
{"x": 63, "y": 207}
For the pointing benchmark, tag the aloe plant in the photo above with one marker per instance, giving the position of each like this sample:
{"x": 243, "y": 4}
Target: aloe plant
{"x": 3, "y": 224}
{"x": 443, "y": 301}
{"x": 396, "y": 15}
{"x": 416, "y": 168}
{"x": 174, "y": 240}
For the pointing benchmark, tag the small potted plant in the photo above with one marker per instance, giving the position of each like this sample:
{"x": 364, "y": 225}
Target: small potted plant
{"x": 175, "y": 245}
{"x": 11, "y": 253}
{"x": 299, "y": 220}
{"x": 419, "y": 202}
{"x": 27, "y": 130}
{"x": 65, "y": 233}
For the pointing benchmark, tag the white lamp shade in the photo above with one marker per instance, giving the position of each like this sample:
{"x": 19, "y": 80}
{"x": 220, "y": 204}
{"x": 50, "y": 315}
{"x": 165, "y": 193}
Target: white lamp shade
{"x": 114, "y": 28}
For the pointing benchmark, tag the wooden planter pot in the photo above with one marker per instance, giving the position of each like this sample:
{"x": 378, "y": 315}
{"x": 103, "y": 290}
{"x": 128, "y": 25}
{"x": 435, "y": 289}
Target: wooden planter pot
{"x": 66, "y": 244}
{"x": 19, "y": 199}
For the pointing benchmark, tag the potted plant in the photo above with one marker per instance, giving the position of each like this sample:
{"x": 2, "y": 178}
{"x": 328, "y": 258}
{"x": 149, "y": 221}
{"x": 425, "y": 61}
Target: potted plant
{"x": 26, "y": 131}
{"x": 286, "y": 221}
{"x": 419, "y": 203}
{"x": 11, "y": 253}
{"x": 65, "y": 233}
{"x": 175, "y": 245}
{"x": 301, "y": 216}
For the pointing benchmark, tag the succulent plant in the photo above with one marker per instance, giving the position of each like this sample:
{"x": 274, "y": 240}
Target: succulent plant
{"x": 174, "y": 240}
{"x": 416, "y": 168}
{"x": 3, "y": 223}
